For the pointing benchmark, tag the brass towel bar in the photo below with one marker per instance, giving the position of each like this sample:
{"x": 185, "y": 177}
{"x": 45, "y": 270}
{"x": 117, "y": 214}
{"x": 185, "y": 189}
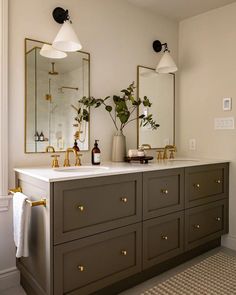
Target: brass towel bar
{"x": 41, "y": 202}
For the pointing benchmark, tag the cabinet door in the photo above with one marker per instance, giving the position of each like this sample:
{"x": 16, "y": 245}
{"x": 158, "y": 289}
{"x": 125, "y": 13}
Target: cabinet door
{"x": 205, "y": 223}
{"x": 205, "y": 184}
{"x": 162, "y": 238}
{"x": 88, "y": 206}
{"x": 163, "y": 192}
{"x": 89, "y": 264}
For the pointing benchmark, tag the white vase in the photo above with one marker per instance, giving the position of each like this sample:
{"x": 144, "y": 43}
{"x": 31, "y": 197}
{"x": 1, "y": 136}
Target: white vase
{"x": 118, "y": 147}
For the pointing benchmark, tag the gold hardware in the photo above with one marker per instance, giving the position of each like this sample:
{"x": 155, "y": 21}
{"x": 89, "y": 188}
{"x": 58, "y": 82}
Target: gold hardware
{"x": 124, "y": 200}
{"x": 197, "y": 185}
{"x": 124, "y": 252}
{"x": 80, "y": 268}
{"x": 164, "y": 191}
{"x": 67, "y": 160}
{"x": 50, "y": 149}
{"x": 42, "y": 202}
{"x": 218, "y": 219}
{"x": 78, "y": 160}
{"x": 218, "y": 181}
{"x": 146, "y": 146}
{"x": 172, "y": 149}
{"x": 80, "y": 207}
{"x": 159, "y": 153}
{"x": 55, "y": 163}
{"x": 197, "y": 226}
{"x": 164, "y": 238}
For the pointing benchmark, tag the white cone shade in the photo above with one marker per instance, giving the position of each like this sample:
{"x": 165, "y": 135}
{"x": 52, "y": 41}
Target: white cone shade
{"x": 166, "y": 64}
{"x": 49, "y": 52}
{"x": 66, "y": 39}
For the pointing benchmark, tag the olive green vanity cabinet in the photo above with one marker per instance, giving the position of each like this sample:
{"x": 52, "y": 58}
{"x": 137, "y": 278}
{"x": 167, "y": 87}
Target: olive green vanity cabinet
{"x": 108, "y": 230}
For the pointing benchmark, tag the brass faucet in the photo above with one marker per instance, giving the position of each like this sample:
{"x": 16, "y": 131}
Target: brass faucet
{"x": 146, "y": 146}
{"x": 77, "y": 157}
{"x": 50, "y": 149}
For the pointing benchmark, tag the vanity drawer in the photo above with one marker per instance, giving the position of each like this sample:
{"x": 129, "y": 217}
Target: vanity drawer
{"x": 87, "y": 265}
{"x": 205, "y": 223}
{"x": 205, "y": 184}
{"x": 162, "y": 238}
{"x": 163, "y": 192}
{"x": 88, "y": 206}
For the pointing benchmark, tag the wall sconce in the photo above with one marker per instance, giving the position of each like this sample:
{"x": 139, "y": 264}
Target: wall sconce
{"x": 66, "y": 39}
{"x": 49, "y": 52}
{"x": 166, "y": 64}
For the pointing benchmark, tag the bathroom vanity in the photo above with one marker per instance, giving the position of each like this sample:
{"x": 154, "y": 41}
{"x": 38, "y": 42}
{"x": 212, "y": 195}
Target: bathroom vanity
{"x": 107, "y": 228}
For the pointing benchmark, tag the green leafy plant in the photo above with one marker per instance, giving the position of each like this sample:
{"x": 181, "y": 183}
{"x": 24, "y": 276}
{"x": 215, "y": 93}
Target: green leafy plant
{"x": 122, "y": 109}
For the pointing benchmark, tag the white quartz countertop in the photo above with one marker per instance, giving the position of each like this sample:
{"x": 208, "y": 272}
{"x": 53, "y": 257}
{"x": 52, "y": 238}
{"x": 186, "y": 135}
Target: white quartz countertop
{"x": 106, "y": 169}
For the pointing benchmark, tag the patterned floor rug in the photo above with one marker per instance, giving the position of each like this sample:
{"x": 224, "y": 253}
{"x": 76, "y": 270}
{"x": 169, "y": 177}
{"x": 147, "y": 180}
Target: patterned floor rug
{"x": 215, "y": 275}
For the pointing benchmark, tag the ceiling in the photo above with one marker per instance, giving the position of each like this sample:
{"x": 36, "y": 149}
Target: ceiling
{"x": 180, "y": 9}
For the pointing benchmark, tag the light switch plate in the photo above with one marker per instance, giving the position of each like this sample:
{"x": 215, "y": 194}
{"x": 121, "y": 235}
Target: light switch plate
{"x": 192, "y": 144}
{"x": 224, "y": 123}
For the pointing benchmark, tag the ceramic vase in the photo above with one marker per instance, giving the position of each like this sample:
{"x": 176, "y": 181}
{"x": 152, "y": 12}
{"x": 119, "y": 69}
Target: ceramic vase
{"x": 118, "y": 147}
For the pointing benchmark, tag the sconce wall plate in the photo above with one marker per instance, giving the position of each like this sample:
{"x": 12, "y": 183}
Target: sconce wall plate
{"x": 60, "y": 15}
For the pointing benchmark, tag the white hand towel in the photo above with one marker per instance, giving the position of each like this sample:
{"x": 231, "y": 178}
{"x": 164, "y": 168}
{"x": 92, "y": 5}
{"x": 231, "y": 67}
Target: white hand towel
{"x": 21, "y": 223}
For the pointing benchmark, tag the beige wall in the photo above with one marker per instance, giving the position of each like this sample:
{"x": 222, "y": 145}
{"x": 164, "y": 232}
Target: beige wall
{"x": 207, "y": 57}
{"x": 119, "y": 37}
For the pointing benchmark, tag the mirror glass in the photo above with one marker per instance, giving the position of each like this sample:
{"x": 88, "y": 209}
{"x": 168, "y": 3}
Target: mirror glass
{"x": 160, "y": 89}
{"x": 52, "y": 90}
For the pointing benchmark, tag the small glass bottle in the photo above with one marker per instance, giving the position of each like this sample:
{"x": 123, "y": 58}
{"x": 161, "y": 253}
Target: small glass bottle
{"x": 96, "y": 154}
{"x": 41, "y": 136}
{"x": 36, "y": 136}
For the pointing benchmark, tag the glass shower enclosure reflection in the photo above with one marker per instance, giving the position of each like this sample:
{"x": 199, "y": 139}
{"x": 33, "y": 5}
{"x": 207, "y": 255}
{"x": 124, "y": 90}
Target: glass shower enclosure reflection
{"x": 53, "y": 89}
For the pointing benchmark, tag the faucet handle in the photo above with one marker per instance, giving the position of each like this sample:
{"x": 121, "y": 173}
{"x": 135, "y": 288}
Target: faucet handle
{"x": 78, "y": 160}
{"x": 55, "y": 163}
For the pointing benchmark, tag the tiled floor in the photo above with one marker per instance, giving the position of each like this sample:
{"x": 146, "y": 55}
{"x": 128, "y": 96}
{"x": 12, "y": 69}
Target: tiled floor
{"x": 150, "y": 283}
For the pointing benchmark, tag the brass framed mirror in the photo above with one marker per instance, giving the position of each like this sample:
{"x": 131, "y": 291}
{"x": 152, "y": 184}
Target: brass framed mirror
{"x": 53, "y": 87}
{"x": 160, "y": 89}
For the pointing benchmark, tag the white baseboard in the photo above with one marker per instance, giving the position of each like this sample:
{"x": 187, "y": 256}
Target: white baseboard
{"x": 9, "y": 278}
{"x": 229, "y": 242}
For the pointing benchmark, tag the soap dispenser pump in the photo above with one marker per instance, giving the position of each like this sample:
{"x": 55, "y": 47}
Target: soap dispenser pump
{"x": 96, "y": 154}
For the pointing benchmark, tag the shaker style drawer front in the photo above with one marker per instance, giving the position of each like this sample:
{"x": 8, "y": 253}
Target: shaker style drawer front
{"x": 89, "y": 206}
{"x": 163, "y": 192}
{"x": 162, "y": 238}
{"x": 205, "y": 184}
{"x": 89, "y": 264}
{"x": 206, "y": 223}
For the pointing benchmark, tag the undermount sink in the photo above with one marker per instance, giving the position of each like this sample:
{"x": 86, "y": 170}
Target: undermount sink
{"x": 82, "y": 169}
{"x": 183, "y": 160}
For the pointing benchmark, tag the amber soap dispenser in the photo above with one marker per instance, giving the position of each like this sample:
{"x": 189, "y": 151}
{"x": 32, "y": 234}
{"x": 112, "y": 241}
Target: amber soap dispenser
{"x": 96, "y": 154}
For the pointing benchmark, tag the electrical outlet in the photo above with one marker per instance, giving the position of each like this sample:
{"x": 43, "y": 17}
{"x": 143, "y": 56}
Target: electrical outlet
{"x": 192, "y": 144}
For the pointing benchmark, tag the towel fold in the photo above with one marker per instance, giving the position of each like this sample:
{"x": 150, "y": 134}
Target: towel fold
{"x": 21, "y": 224}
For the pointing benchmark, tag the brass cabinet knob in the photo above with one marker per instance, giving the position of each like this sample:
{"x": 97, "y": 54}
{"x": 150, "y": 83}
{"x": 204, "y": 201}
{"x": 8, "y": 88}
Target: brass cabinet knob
{"x": 80, "y": 268}
{"x": 164, "y": 238}
{"x": 80, "y": 208}
{"x": 124, "y": 253}
{"x": 124, "y": 200}
{"x": 197, "y": 185}
{"x": 218, "y": 219}
{"x": 196, "y": 226}
{"x": 164, "y": 191}
{"x": 218, "y": 181}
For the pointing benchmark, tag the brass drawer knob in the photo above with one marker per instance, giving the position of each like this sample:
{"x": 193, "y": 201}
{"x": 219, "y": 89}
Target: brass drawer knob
{"x": 164, "y": 238}
{"x": 197, "y": 185}
{"x": 218, "y": 181}
{"x": 80, "y": 208}
{"x": 124, "y": 200}
{"x": 124, "y": 253}
{"x": 80, "y": 268}
{"x": 218, "y": 219}
{"x": 196, "y": 226}
{"x": 164, "y": 191}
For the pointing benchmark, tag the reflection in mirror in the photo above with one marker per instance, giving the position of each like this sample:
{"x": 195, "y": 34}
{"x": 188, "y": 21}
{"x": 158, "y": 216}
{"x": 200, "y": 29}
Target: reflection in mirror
{"x": 160, "y": 89}
{"x": 52, "y": 90}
